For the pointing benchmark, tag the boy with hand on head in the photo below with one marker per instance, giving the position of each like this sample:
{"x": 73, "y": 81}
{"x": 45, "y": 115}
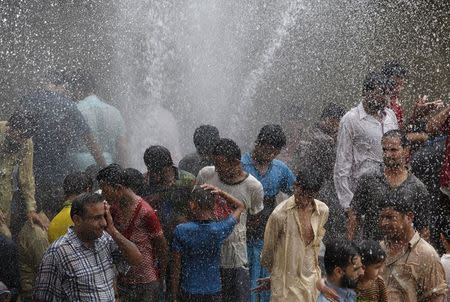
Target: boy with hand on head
{"x": 196, "y": 246}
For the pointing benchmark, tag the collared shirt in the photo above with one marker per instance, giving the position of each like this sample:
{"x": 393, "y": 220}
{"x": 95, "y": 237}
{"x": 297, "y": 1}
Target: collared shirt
{"x": 359, "y": 148}
{"x": 71, "y": 271}
{"x": 250, "y": 192}
{"x": 345, "y": 294}
{"x": 8, "y": 161}
{"x": 414, "y": 275}
{"x": 293, "y": 265}
{"x": 445, "y": 260}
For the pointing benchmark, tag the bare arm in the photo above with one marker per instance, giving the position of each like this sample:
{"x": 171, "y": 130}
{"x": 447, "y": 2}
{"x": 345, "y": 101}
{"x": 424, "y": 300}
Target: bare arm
{"x": 175, "y": 280}
{"x": 95, "y": 150}
{"x": 237, "y": 206}
{"x": 121, "y": 150}
{"x": 162, "y": 251}
{"x": 436, "y": 122}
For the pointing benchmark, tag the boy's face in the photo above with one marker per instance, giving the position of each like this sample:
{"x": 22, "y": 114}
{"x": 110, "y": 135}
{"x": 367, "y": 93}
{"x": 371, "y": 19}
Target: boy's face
{"x": 226, "y": 168}
{"x": 372, "y": 271}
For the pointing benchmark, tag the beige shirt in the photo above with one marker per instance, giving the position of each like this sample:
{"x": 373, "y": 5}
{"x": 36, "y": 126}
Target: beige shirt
{"x": 294, "y": 267}
{"x": 414, "y": 275}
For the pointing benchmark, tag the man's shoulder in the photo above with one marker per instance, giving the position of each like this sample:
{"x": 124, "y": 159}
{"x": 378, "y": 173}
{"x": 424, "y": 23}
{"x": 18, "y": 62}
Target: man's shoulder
{"x": 426, "y": 251}
{"x": 280, "y": 164}
{"x": 321, "y": 206}
{"x": 350, "y": 115}
{"x": 252, "y": 183}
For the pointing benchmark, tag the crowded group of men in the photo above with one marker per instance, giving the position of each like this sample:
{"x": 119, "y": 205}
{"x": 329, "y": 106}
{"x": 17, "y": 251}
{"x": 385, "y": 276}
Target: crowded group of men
{"x": 353, "y": 207}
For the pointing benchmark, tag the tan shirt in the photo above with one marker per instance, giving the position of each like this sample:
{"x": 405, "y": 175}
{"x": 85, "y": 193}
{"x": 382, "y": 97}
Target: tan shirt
{"x": 293, "y": 273}
{"x": 8, "y": 161}
{"x": 414, "y": 275}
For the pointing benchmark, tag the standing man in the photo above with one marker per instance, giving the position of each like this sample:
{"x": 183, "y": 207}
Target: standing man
{"x": 104, "y": 120}
{"x": 359, "y": 137}
{"x": 275, "y": 177}
{"x": 16, "y": 149}
{"x": 413, "y": 269}
{"x": 80, "y": 265}
{"x": 394, "y": 178}
{"x": 292, "y": 241}
{"x": 343, "y": 267}
{"x": 227, "y": 174}
{"x": 397, "y": 74}
{"x": 205, "y": 138}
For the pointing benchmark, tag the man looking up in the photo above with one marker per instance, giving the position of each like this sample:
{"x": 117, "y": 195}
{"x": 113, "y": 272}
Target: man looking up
{"x": 343, "y": 268}
{"x": 392, "y": 178}
{"x": 413, "y": 269}
{"x": 228, "y": 175}
{"x": 292, "y": 241}
{"x": 275, "y": 177}
{"x": 205, "y": 138}
{"x": 359, "y": 137}
{"x": 80, "y": 265}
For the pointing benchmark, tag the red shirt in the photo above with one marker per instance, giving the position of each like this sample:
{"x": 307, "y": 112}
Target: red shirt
{"x": 142, "y": 227}
{"x": 398, "y": 110}
{"x": 445, "y": 169}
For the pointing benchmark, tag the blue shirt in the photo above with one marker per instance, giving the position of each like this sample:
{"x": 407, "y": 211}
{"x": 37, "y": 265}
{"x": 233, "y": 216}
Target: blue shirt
{"x": 345, "y": 294}
{"x": 199, "y": 243}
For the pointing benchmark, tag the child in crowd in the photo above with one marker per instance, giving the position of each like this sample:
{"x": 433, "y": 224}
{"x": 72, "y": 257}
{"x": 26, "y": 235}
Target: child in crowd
{"x": 197, "y": 245}
{"x": 445, "y": 260}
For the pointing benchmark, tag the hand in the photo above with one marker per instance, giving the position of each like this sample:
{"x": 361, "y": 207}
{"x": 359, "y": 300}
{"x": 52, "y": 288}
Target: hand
{"x": 211, "y": 188}
{"x": 36, "y": 219}
{"x": 263, "y": 285}
{"x": 2, "y": 218}
{"x": 110, "y": 228}
{"x": 423, "y": 108}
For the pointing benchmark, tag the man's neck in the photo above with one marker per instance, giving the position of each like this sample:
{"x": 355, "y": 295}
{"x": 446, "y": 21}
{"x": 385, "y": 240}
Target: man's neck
{"x": 234, "y": 179}
{"x": 396, "y": 175}
{"x": 129, "y": 199}
{"x": 304, "y": 202}
{"x": 334, "y": 280}
{"x": 370, "y": 112}
{"x": 86, "y": 242}
{"x": 398, "y": 244}
{"x": 204, "y": 216}
{"x": 262, "y": 167}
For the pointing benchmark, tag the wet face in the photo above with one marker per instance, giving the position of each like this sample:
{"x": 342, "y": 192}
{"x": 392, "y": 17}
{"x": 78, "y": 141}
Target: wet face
{"x": 352, "y": 272}
{"x": 375, "y": 100}
{"x": 394, "y": 224}
{"x": 394, "y": 154}
{"x": 226, "y": 168}
{"x": 109, "y": 192}
{"x": 93, "y": 223}
{"x": 372, "y": 271}
{"x": 264, "y": 154}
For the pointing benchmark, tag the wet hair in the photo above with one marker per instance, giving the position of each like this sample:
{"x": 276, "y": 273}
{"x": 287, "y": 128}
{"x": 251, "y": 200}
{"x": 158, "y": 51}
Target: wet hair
{"x": 395, "y": 133}
{"x": 309, "y": 182}
{"x": 228, "y": 148}
{"x": 77, "y": 183}
{"x": 399, "y": 202}
{"x": 371, "y": 252}
{"x": 339, "y": 253}
{"x": 22, "y": 122}
{"x": 111, "y": 174}
{"x": 205, "y": 138}
{"x": 130, "y": 178}
{"x": 332, "y": 110}
{"x": 81, "y": 81}
{"x": 80, "y": 203}
{"x": 394, "y": 69}
{"x": 375, "y": 80}
{"x": 157, "y": 157}
{"x": 203, "y": 198}
{"x": 272, "y": 135}
{"x": 135, "y": 180}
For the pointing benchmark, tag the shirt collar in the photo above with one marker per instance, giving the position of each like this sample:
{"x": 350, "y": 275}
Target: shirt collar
{"x": 74, "y": 239}
{"x": 362, "y": 113}
{"x": 292, "y": 205}
{"x": 414, "y": 240}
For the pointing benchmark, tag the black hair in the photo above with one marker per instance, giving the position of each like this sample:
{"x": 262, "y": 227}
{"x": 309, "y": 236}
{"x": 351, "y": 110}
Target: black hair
{"x": 228, "y": 148}
{"x": 135, "y": 179}
{"x": 375, "y": 80}
{"x": 309, "y": 181}
{"x": 82, "y": 81}
{"x": 23, "y": 122}
{"x": 394, "y": 69}
{"x": 399, "y": 202}
{"x": 112, "y": 175}
{"x": 272, "y": 135}
{"x": 398, "y": 134}
{"x": 203, "y": 198}
{"x": 446, "y": 231}
{"x": 77, "y": 183}
{"x": 157, "y": 157}
{"x": 205, "y": 138}
{"x": 339, "y": 253}
{"x": 371, "y": 252}
{"x": 332, "y": 110}
{"x": 81, "y": 201}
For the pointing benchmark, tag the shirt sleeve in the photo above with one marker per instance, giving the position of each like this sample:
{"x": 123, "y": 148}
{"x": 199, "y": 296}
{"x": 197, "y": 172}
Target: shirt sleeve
{"x": 343, "y": 165}
{"x": 257, "y": 199}
{"x": 48, "y": 285}
{"x": 227, "y": 227}
{"x": 26, "y": 177}
{"x": 359, "y": 200}
{"x": 271, "y": 235}
{"x": 176, "y": 242}
{"x": 153, "y": 224}
{"x": 432, "y": 279}
{"x": 288, "y": 181}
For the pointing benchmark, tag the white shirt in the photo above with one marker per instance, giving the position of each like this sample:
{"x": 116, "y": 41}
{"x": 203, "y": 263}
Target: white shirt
{"x": 359, "y": 148}
{"x": 445, "y": 260}
{"x": 250, "y": 192}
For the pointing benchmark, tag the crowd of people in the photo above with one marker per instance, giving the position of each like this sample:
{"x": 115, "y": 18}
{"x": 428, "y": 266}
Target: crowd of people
{"x": 353, "y": 207}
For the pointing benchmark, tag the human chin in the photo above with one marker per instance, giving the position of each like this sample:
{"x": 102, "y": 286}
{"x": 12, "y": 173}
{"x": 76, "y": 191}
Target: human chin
{"x": 347, "y": 282}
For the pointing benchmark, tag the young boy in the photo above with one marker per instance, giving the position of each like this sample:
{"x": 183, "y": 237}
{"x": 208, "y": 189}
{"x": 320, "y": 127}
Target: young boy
{"x": 197, "y": 244}
{"x": 445, "y": 260}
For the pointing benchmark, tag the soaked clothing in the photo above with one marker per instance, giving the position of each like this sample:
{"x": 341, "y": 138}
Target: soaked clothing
{"x": 414, "y": 275}
{"x": 294, "y": 266}
{"x": 373, "y": 189}
{"x": 375, "y": 293}
{"x": 194, "y": 162}
{"x": 23, "y": 159}
{"x": 345, "y": 294}
{"x": 60, "y": 223}
{"x": 359, "y": 149}
{"x": 70, "y": 271}
{"x": 445, "y": 260}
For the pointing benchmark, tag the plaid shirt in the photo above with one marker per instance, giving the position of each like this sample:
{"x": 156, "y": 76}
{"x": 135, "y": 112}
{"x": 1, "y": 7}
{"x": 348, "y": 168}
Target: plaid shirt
{"x": 70, "y": 271}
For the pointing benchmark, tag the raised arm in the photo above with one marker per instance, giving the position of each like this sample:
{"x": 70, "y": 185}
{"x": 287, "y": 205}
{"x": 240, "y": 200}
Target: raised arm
{"x": 436, "y": 122}
{"x": 237, "y": 206}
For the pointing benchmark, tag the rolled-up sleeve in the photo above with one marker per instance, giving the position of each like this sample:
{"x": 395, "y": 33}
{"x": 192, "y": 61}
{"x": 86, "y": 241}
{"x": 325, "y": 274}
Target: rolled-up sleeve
{"x": 26, "y": 177}
{"x": 270, "y": 242}
{"x": 343, "y": 165}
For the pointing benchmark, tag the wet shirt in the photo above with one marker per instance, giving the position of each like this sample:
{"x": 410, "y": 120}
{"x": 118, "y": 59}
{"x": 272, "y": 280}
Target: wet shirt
{"x": 373, "y": 189}
{"x": 375, "y": 293}
{"x": 359, "y": 148}
{"x": 414, "y": 275}
{"x": 199, "y": 243}
{"x": 59, "y": 125}
{"x": 70, "y": 271}
{"x": 141, "y": 229}
{"x": 60, "y": 223}
{"x": 106, "y": 124}
{"x": 293, "y": 265}
{"x": 250, "y": 192}
{"x": 445, "y": 260}
{"x": 23, "y": 158}
{"x": 345, "y": 294}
